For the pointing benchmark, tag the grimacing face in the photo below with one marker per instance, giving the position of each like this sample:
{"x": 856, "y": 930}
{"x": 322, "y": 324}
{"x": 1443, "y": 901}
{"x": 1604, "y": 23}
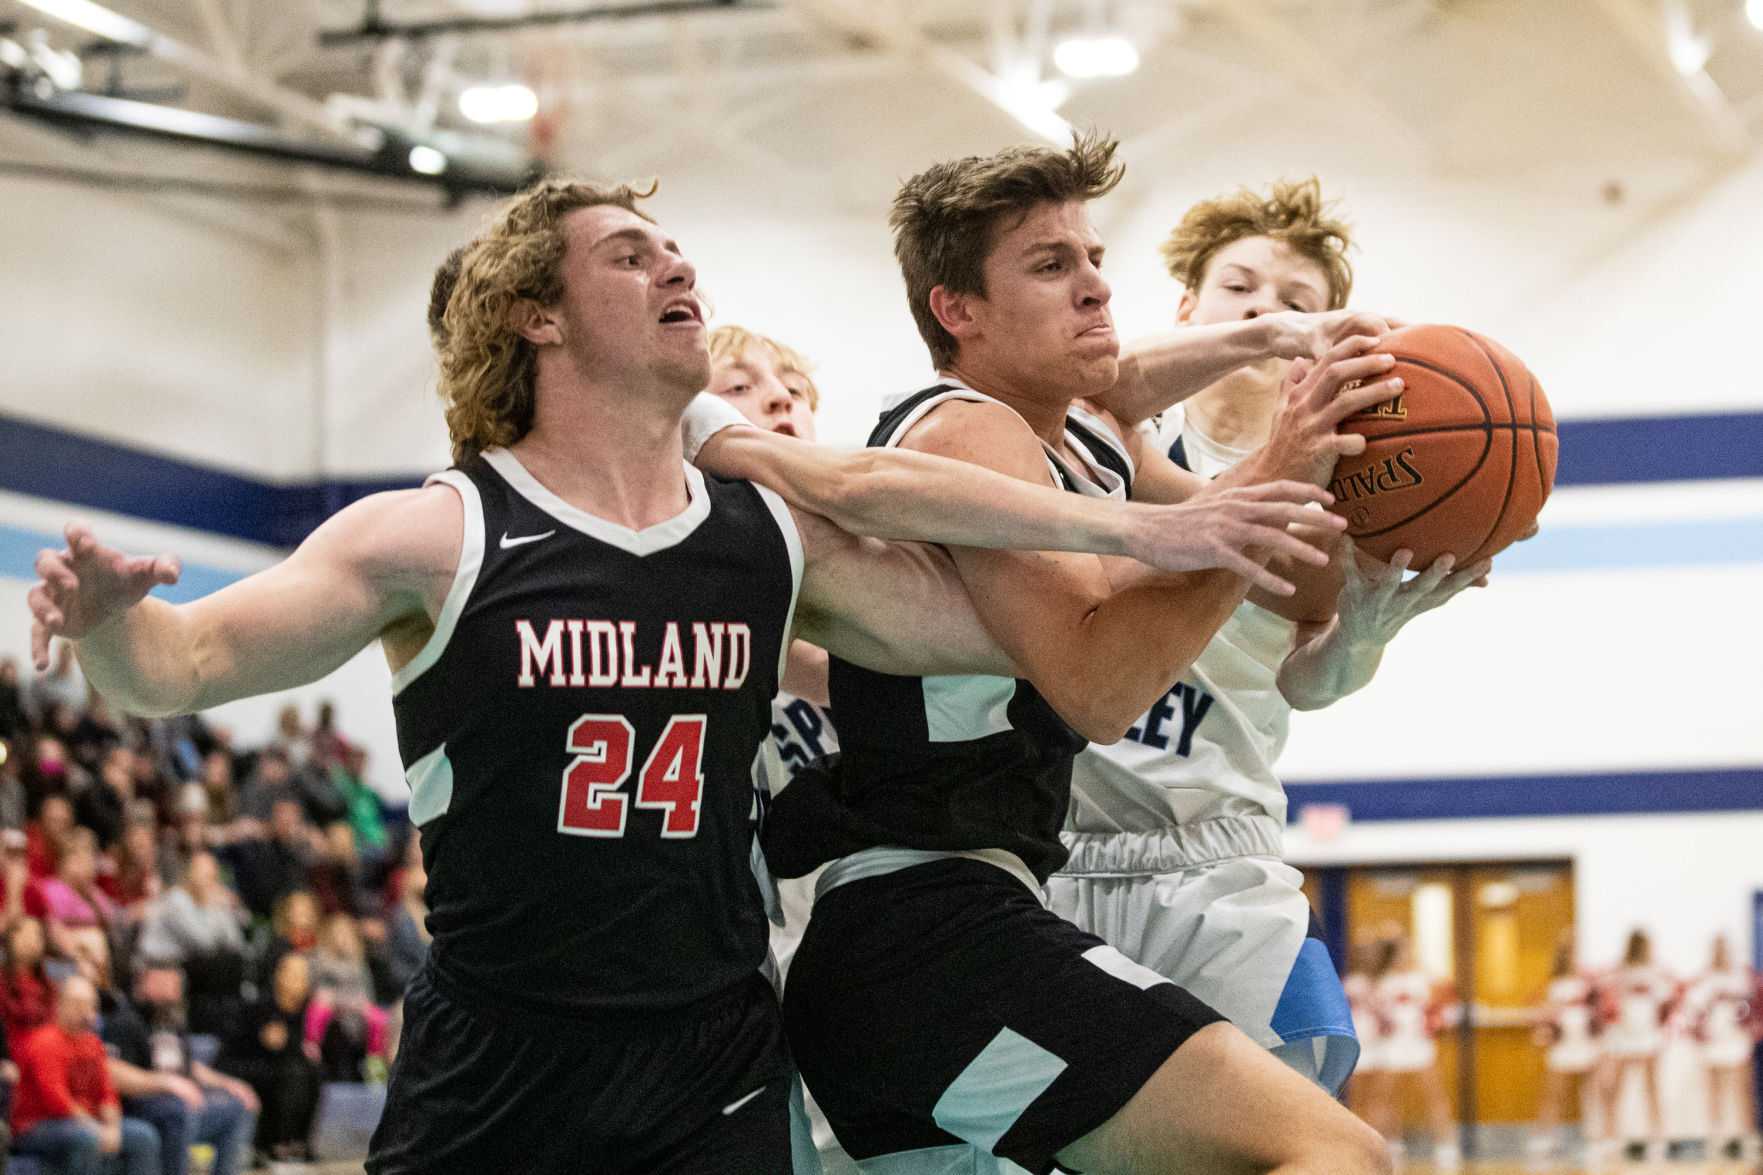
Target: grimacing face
{"x": 774, "y": 399}
{"x": 629, "y": 310}
{"x": 1044, "y": 323}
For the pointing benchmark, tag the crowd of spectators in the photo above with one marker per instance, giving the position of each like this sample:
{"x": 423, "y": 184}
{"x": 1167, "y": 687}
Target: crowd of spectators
{"x": 235, "y": 925}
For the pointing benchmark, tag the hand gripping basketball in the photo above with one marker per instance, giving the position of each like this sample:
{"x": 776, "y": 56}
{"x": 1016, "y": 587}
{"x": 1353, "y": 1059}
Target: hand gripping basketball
{"x": 1315, "y": 398}
{"x": 85, "y": 585}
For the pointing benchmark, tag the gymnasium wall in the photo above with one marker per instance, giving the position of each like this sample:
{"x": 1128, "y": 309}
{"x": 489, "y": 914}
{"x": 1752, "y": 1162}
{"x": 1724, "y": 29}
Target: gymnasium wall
{"x": 1609, "y": 664}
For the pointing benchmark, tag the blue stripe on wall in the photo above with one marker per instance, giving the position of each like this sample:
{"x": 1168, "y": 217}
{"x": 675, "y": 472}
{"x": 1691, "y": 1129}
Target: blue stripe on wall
{"x": 1609, "y": 546}
{"x": 1712, "y": 790}
{"x": 47, "y": 462}
{"x": 1660, "y": 448}
{"x": 18, "y": 559}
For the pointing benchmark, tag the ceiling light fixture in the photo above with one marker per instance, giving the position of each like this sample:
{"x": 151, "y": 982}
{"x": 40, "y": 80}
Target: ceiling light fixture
{"x": 508, "y": 103}
{"x": 425, "y": 160}
{"x": 1092, "y": 57}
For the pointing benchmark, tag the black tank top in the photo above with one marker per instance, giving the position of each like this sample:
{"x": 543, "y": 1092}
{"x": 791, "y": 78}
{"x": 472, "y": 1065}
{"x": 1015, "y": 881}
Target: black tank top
{"x": 943, "y": 763}
{"x": 579, "y": 736}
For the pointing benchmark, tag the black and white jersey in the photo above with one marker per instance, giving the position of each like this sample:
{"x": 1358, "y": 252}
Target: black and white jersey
{"x": 579, "y": 735}
{"x": 945, "y": 763}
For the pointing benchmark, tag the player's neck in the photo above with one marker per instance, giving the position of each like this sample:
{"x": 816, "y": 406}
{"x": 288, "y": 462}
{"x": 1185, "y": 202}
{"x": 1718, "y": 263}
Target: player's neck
{"x": 1043, "y": 410}
{"x": 1237, "y": 411}
{"x": 615, "y": 456}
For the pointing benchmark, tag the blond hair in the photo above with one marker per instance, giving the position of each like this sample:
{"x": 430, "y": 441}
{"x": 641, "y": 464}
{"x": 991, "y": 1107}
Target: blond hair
{"x": 488, "y": 371}
{"x": 730, "y": 344}
{"x": 945, "y": 218}
{"x": 1292, "y": 212}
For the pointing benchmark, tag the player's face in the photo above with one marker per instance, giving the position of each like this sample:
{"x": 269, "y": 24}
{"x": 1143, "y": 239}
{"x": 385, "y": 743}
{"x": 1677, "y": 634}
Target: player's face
{"x": 1252, "y": 277}
{"x": 772, "y": 398}
{"x": 629, "y": 307}
{"x": 1044, "y": 322}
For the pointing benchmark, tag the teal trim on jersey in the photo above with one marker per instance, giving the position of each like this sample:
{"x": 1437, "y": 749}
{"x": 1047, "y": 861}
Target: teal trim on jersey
{"x": 18, "y": 559}
{"x": 982, "y": 1104}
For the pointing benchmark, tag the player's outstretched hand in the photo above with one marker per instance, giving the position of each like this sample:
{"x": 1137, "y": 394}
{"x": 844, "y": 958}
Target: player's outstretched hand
{"x": 1297, "y": 335}
{"x": 1316, "y": 397}
{"x": 86, "y": 584}
{"x": 1235, "y": 528}
{"x": 1376, "y": 601}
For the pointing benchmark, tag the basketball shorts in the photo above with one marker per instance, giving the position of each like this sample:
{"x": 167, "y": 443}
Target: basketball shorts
{"x": 948, "y": 1022}
{"x": 1212, "y": 907}
{"x": 482, "y": 1089}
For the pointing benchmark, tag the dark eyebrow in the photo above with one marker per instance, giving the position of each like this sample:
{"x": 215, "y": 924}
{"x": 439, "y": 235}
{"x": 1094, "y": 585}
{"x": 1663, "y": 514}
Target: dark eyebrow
{"x": 1063, "y": 247}
{"x": 632, "y": 235}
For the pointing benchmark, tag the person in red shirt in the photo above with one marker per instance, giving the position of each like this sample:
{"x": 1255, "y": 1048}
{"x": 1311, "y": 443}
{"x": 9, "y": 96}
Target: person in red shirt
{"x": 65, "y": 1111}
{"x": 27, "y": 994}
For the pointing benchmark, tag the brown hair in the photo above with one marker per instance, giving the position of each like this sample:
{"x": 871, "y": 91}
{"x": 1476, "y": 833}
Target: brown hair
{"x": 945, "y": 217}
{"x": 729, "y": 344}
{"x": 488, "y": 370}
{"x": 1292, "y": 212}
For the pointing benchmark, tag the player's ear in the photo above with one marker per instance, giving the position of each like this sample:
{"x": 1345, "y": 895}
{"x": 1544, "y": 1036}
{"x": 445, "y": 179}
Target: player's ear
{"x": 954, "y": 311}
{"x": 1184, "y": 310}
{"x": 536, "y": 324}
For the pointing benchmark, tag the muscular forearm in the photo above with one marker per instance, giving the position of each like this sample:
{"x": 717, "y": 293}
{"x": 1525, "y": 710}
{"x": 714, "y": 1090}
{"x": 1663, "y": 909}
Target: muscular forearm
{"x": 901, "y": 494}
{"x": 143, "y": 660}
{"x": 1327, "y": 667}
{"x": 1163, "y": 369}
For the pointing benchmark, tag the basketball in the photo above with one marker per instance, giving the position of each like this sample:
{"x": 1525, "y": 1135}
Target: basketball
{"x": 1460, "y": 462}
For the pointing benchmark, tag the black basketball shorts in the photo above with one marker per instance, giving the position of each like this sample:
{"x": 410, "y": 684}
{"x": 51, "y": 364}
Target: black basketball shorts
{"x": 941, "y": 1010}
{"x": 479, "y": 1089}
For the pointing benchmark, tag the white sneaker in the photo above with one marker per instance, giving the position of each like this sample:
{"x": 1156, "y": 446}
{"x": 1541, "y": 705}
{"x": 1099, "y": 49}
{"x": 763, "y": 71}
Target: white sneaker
{"x": 1447, "y": 1157}
{"x": 1537, "y": 1150}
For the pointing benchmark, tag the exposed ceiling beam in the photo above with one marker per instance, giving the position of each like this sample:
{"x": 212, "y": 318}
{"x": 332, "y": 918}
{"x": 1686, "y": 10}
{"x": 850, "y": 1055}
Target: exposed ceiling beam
{"x": 1644, "y": 29}
{"x": 375, "y": 29}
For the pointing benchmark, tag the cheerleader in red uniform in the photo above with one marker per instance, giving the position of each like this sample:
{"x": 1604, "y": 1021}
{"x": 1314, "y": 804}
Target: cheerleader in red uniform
{"x": 1722, "y": 1011}
{"x": 1635, "y": 1000}
{"x": 1568, "y": 1029}
{"x": 1411, "y": 1007}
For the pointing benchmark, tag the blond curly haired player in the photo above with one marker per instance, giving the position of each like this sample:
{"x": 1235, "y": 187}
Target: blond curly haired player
{"x": 1175, "y": 831}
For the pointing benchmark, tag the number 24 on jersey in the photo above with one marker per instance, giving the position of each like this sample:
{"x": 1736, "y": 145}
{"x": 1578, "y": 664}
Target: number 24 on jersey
{"x": 671, "y": 779}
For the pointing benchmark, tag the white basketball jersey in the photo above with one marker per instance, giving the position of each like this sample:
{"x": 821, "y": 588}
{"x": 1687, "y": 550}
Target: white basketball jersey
{"x": 1207, "y": 748}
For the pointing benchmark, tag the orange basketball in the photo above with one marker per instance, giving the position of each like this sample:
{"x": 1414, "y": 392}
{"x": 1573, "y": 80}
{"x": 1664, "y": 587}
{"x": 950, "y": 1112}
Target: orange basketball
{"x": 1460, "y": 462}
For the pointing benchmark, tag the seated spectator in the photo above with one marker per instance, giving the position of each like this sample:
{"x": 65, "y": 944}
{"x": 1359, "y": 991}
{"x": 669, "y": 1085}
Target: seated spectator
{"x": 65, "y": 1110}
{"x": 195, "y": 925}
{"x": 217, "y": 787}
{"x": 63, "y": 683}
{"x": 366, "y": 814}
{"x": 406, "y": 928}
{"x": 103, "y": 803}
{"x": 135, "y": 881}
{"x": 294, "y": 927}
{"x": 71, "y": 899}
{"x": 267, "y": 868}
{"x": 150, "y": 1065}
{"x": 13, "y": 801}
{"x": 13, "y": 719}
{"x": 342, "y": 1020}
{"x": 336, "y": 874}
{"x": 43, "y": 836}
{"x": 27, "y": 994}
{"x": 270, "y": 1054}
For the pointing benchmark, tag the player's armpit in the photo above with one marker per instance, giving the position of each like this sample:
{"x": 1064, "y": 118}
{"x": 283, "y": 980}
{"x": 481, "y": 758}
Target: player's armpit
{"x": 381, "y": 559}
{"x": 892, "y": 607}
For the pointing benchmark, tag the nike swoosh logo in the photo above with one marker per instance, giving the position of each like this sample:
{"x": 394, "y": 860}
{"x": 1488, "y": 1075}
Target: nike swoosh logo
{"x": 525, "y": 538}
{"x": 733, "y": 1106}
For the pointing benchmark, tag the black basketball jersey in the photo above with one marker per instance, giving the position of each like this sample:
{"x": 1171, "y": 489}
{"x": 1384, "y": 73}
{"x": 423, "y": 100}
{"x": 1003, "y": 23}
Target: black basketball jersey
{"x": 579, "y": 736}
{"x": 944, "y": 763}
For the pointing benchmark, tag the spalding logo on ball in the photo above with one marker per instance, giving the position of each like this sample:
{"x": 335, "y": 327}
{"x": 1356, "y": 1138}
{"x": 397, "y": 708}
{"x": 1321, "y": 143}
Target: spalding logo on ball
{"x": 1460, "y": 462}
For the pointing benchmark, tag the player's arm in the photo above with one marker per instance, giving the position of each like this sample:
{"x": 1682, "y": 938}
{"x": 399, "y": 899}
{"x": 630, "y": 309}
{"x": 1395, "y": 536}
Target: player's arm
{"x": 1166, "y": 368}
{"x": 894, "y": 607}
{"x": 1341, "y": 655}
{"x": 383, "y": 560}
{"x": 899, "y": 494}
